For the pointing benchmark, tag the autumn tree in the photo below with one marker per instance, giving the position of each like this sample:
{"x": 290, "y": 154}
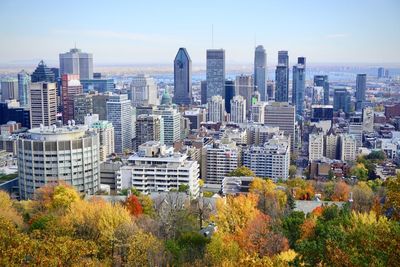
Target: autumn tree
{"x": 341, "y": 191}
{"x": 146, "y": 250}
{"x": 242, "y": 171}
{"x": 360, "y": 171}
{"x": 7, "y": 209}
{"x": 133, "y": 205}
{"x": 363, "y": 197}
{"x": 393, "y": 197}
{"x": 291, "y": 226}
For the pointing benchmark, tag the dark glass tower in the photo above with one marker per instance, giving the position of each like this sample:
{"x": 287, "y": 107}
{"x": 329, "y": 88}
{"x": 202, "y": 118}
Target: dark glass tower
{"x": 299, "y": 83}
{"x": 322, "y": 81}
{"x": 229, "y": 94}
{"x": 182, "y": 78}
{"x": 43, "y": 74}
{"x": 341, "y": 100}
{"x": 282, "y": 77}
{"x": 361, "y": 87}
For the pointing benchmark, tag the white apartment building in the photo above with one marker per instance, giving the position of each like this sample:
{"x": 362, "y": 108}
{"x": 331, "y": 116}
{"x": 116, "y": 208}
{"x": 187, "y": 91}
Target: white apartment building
{"x": 105, "y": 130}
{"x": 316, "y": 146}
{"x": 156, "y": 168}
{"x": 238, "y": 109}
{"x": 143, "y": 91}
{"x": 257, "y": 112}
{"x": 171, "y": 123}
{"x": 348, "y": 147}
{"x": 216, "y": 109}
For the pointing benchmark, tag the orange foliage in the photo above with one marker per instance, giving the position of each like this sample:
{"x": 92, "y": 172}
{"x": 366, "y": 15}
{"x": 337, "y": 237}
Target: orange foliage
{"x": 133, "y": 205}
{"x": 317, "y": 211}
{"x": 307, "y": 228}
{"x": 341, "y": 192}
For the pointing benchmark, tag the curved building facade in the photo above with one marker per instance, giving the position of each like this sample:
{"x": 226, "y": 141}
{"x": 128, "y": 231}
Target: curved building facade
{"x": 49, "y": 154}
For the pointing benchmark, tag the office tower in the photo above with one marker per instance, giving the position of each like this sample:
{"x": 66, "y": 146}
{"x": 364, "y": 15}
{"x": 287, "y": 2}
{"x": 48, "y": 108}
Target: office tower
{"x": 9, "y": 89}
{"x": 100, "y": 104}
{"x": 105, "y": 130}
{"x": 149, "y": 128}
{"x": 368, "y": 119}
{"x": 83, "y": 105}
{"x": 43, "y": 74}
{"x": 341, "y": 100}
{"x": 215, "y": 73}
{"x": 317, "y": 95}
{"x": 260, "y": 71}
{"x": 166, "y": 99}
{"x": 119, "y": 114}
{"x": 381, "y": 73}
{"x": 361, "y": 87}
{"x": 282, "y": 115}
{"x": 195, "y": 116}
{"x": 356, "y": 128}
{"x": 11, "y": 111}
{"x": 43, "y": 96}
{"x": 77, "y": 62}
{"x": 185, "y": 127}
{"x": 69, "y": 154}
{"x": 56, "y": 72}
{"x": 315, "y": 146}
{"x": 270, "y": 90}
{"x": 182, "y": 78}
{"x": 281, "y": 84}
{"x": 24, "y": 79}
{"x": 150, "y": 162}
{"x": 216, "y": 109}
{"x": 321, "y": 112}
{"x": 348, "y": 147}
{"x": 219, "y": 160}
{"x": 203, "y": 92}
{"x": 143, "y": 91}
{"x": 70, "y": 88}
{"x": 298, "y": 86}
{"x": 270, "y": 160}
{"x": 171, "y": 119}
{"x": 238, "y": 109}
{"x": 331, "y": 145}
{"x": 283, "y": 58}
{"x": 322, "y": 81}
{"x": 230, "y": 90}
{"x": 245, "y": 88}
{"x": 99, "y": 85}
{"x": 257, "y": 112}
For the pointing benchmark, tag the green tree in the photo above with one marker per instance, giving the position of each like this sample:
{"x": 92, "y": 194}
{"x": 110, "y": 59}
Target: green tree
{"x": 292, "y": 171}
{"x": 291, "y": 226}
{"x": 360, "y": 171}
{"x": 242, "y": 171}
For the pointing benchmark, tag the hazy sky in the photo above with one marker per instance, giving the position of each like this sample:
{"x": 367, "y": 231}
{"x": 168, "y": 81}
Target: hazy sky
{"x": 146, "y": 31}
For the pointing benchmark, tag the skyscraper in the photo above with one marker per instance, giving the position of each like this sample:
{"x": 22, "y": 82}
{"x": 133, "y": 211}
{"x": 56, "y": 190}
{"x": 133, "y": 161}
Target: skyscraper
{"x": 215, "y": 73}
{"x": 229, "y": 94}
{"x": 182, "y": 78}
{"x": 245, "y": 88}
{"x": 143, "y": 91}
{"x": 322, "y": 81}
{"x": 203, "y": 92}
{"x": 23, "y": 87}
{"x": 238, "y": 109}
{"x": 260, "y": 71}
{"x": 77, "y": 62}
{"x": 281, "y": 83}
{"x": 216, "y": 109}
{"x": 148, "y": 128}
{"x": 171, "y": 119}
{"x": 43, "y": 74}
{"x": 43, "y": 96}
{"x": 341, "y": 100}
{"x": 361, "y": 86}
{"x": 119, "y": 114}
{"x": 270, "y": 90}
{"x": 9, "y": 89}
{"x": 70, "y": 88}
{"x": 299, "y": 83}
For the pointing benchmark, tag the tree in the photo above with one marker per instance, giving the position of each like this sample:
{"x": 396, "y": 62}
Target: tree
{"x": 341, "y": 191}
{"x": 292, "y": 171}
{"x": 147, "y": 204}
{"x": 188, "y": 248}
{"x": 393, "y": 197}
{"x": 146, "y": 250}
{"x": 7, "y": 210}
{"x": 242, "y": 171}
{"x": 360, "y": 171}
{"x": 183, "y": 188}
{"x": 134, "y": 206}
{"x": 363, "y": 197}
{"x": 291, "y": 226}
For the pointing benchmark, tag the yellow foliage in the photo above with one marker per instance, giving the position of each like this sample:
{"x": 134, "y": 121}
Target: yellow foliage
{"x": 7, "y": 210}
{"x": 64, "y": 196}
{"x": 145, "y": 250}
{"x": 285, "y": 257}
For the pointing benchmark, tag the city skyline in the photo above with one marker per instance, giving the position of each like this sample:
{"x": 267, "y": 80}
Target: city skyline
{"x": 133, "y": 37}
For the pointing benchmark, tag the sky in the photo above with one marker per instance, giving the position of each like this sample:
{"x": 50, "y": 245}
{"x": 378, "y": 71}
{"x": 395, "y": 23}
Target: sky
{"x": 151, "y": 32}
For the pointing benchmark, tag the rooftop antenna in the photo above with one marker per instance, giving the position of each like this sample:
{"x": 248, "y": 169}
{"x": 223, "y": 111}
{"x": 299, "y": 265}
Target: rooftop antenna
{"x": 255, "y": 40}
{"x": 212, "y": 35}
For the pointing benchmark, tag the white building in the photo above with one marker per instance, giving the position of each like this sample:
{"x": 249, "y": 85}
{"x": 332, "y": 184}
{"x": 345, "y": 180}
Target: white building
{"x": 259, "y": 134}
{"x": 171, "y": 124}
{"x": 218, "y": 160}
{"x": 9, "y": 89}
{"x": 143, "y": 91}
{"x": 105, "y": 131}
{"x": 316, "y": 146}
{"x": 156, "y": 168}
{"x": 368, "y": 119}
{"x": 43, "y": 99}
{"x": 49, "y": 154}
{"x": 348, "y": 147}
{"x": 272, "y": 160}
{"x": 331, "y": 145}
{"x": 238, "y": 109}
{"x": 257, "y": 112}
{"x": 216, "y": 109}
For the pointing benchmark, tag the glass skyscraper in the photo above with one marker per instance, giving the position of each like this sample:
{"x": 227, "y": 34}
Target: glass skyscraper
{"x": 282, "y": 77}
{"x": 341, "y": 100}
{"x": 215, "y": 74}
{"x": 182, "y": 78}
{"x": 260, "y": 71}
{"x": 77, "y": 62}
{"x": 361, "y": 87}
{"x": 299, "y": 79}
{"x": 322, "y": 81}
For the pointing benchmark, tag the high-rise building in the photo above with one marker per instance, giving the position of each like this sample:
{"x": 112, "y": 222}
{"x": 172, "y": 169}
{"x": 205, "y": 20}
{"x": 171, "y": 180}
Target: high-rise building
{"x": 43, "y": 96}
{"x": 119, "y": 113}
{"x": 341, "y": 100}
{"x": 70, "y": 88}
{"x": 83, "y": 105}
{"x": 203, "y": 92}
{"x": 281, "y": 83}
{"x": 77, "y": 62}
{"x": 149, "y": 128}
{"x": 48, "y": 154}
{"x": 348, "y": 147}
{"x": 215, "y": 73}
{"x": 238, "y": 109}
{"x": 321, "y": 112}
{"x": 315, "y": 146}
{"x": 361, "y": 87}
{"x": 257, "y": 112}
{"x": 331, "y": 145}
{"x": 356, "y": 128}
{"x": 105, "y": 130}
{"x": 219, "y": 160}
{"x": 216, "y": 109}
{"x": 43, "y": 74}
{"x": 11, "y": 111}
{"x": 368, "y": 119}
{"x": 282, "y": 115}
{"x": 143, "y": 91}
{"x": 156, "y": 168}
{"x": 245, "y": 88}
{"x": 171, "y": 119}
{"x": 381, "y": 73}
{"x": 270, "y": 90}
{"x": 182, "y": 78}
{"x": 230, "y": 90}
{"x": 299, "y": 83}
{"x": 260, "y": 71}
{"x": 99, "y": 85}
{"x": 322, "y": 81}
{"x": 100, "y": 104}
{"x": 195, "y": 116}
{"x": 9, "y": 89}
{"x": 270, "y": 160}
{"x": 24, "y": 80}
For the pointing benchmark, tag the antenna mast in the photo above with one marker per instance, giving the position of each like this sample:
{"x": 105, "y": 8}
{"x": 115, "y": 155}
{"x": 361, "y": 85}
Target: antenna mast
{"x": 212, "y": 35}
